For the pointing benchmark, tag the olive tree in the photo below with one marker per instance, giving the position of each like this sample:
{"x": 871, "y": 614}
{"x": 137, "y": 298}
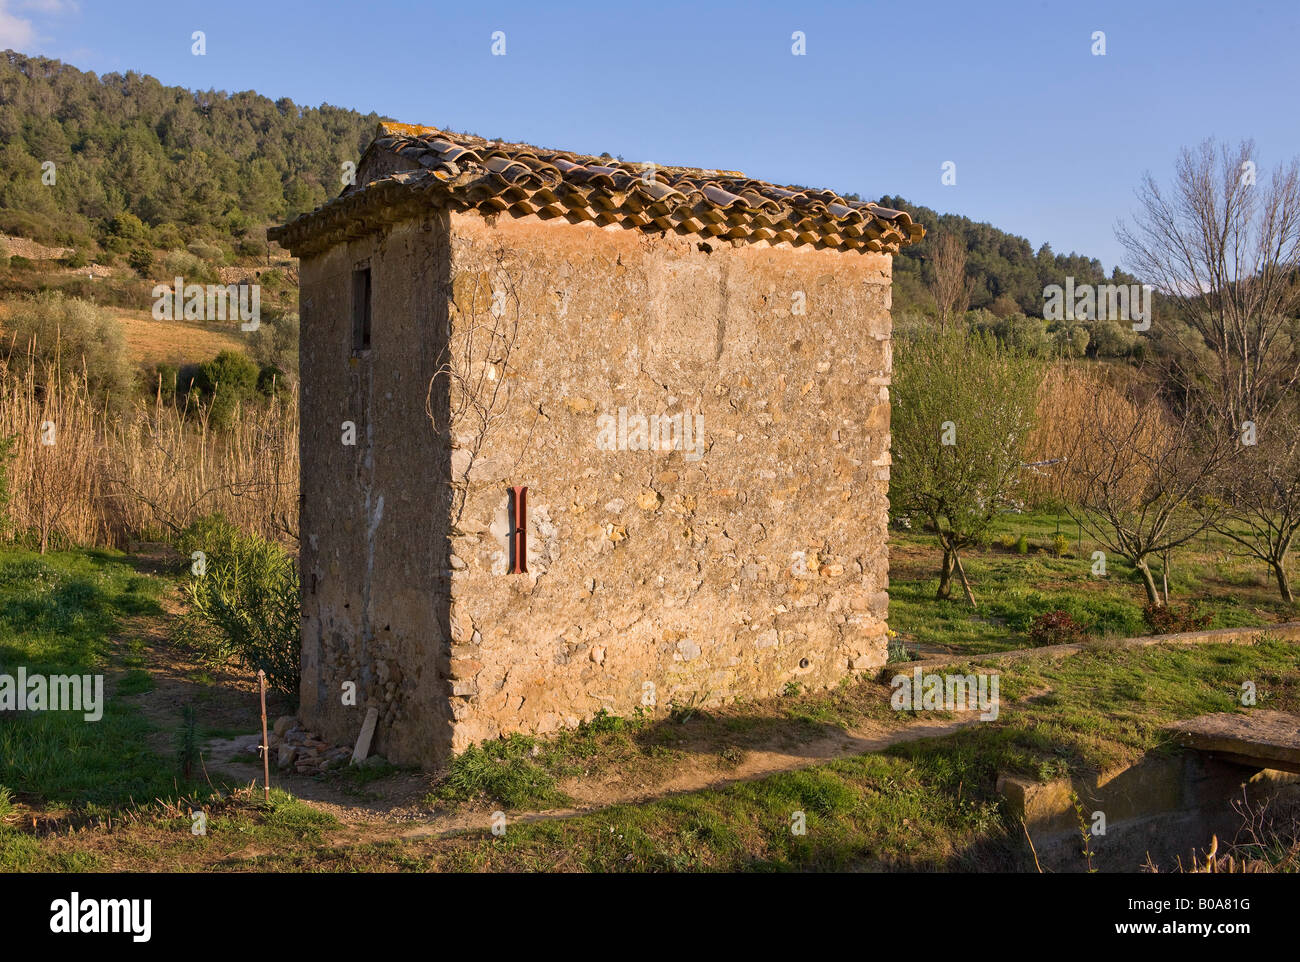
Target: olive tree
{"x": 962, "y": 412}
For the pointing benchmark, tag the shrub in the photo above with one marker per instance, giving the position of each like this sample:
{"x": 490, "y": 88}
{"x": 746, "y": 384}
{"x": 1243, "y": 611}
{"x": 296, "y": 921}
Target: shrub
{"x": 208, "y": 252}
{"x": 1173, "y": 619}
{"x": 129, "y": 228}
{"x": 229, "y": 379}
{"x": 1022, "y": 545}
{"x": 245, "y": 603}
{"x": 897, "y": 650}
{"x": 250, "y": 247}
{"x": 503, "y": 770}
{"x": 275, "y": 343}
{"x": 1007, "y": 540}
{"x": 183, "y": 264}
{"x": 167, "y": 236}
{"x": 140, "y": 260}
{"x": 1060, "y": 545}
{"x": 1110, "y": 339}
{"x": 20, "y": 263}
{"x": 1056, "y": 628}
{"x": 78, "y": 335}
{"x": 271, "y": 381}
{"x": 1072, "y": 341}
{"x": 164, "y": 378}
{"x": 1027, "y": 334}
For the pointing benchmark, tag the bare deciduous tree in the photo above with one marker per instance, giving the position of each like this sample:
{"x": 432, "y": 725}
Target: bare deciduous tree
{"x": 1136, "y": 472}
{"x": 948, "y": 281}
{"x": 1260, "y": 492}
{"x": 1222, "y": 245}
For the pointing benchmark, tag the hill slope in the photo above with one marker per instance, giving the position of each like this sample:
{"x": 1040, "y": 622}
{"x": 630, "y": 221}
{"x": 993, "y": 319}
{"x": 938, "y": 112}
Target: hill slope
{"x": 140, "y": 164}
{"x": 189, "y": 165}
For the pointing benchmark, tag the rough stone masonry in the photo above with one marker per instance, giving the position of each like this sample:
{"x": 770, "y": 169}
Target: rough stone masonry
{"x": 688, "y": 372}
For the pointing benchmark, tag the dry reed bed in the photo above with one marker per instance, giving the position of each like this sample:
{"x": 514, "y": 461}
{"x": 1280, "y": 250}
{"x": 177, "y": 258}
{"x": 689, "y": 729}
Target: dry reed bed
{"x": 112, "y": 477}
{"x": 82, "y": 474}
{"x": 1077, "y": 405}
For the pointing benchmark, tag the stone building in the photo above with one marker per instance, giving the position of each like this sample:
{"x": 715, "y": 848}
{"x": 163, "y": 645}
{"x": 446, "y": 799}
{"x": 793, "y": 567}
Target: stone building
{"x": 581, "y": 435}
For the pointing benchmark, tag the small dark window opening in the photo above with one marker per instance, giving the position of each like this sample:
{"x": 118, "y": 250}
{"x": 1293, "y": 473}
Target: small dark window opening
{"x": 361, "y": 310}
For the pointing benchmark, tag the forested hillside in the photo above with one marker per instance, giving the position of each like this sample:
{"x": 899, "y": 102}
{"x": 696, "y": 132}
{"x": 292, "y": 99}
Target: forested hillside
{"x": 1009, "y": 275}
{"x": 217, "y": 167}
{"x": 190, "y": 165}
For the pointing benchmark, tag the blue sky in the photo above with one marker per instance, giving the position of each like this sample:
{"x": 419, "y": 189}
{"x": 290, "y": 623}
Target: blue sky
{"x": 1048, "y": 139}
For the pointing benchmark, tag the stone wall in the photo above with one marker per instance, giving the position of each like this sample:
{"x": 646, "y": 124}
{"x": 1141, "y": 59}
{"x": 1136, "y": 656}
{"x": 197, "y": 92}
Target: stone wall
{"x": 373, "y": 516}
{"x": 751, "y": 555}
{"x": 691, "y": 576}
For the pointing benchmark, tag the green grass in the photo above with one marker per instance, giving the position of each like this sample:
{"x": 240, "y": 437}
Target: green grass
{"x": 137, "y": 681}
{"x": 504, "y": 771}
{"x": 929, "y": 804}
{"x": 921, "y": 805}
{"x": 287, "y": 822}
{"x": 58, "y": 614}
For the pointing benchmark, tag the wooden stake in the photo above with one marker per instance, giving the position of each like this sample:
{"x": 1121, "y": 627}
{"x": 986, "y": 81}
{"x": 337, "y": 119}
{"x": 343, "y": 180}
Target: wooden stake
{"x": 1031, "y": 847}
{"x": 266, "y": 747}
{"x": 961, "y": 573}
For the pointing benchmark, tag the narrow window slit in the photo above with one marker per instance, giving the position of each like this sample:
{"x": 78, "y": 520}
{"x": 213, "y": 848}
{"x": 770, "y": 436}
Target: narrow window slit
{"x": 519, "y": 530}
{"x": 361, "y": 310}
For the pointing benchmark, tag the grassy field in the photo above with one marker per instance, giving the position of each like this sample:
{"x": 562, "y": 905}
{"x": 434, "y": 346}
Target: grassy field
{"x": 1012, "y": 588}
{"x": 105, "y": 797}
{"x": 150, "y": 341}
{"x": 57, "y": 615}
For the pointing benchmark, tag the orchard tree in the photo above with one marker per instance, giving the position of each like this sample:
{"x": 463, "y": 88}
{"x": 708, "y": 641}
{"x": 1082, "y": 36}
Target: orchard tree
{"x": 962, "y": 412}
{"x": 1257, "y": 502}
{"x": 1137, "y": 471}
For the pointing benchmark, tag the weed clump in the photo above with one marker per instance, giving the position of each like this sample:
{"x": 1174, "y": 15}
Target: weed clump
{"x": 1173, "y": 619}
{"x": 1056, "y": 628}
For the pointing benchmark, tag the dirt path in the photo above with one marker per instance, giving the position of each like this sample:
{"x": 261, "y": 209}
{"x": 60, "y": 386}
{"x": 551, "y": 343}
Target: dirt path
{"x": 396, "y": 807}
{"x": 697, "y": 774}
{"x": 700, "y": 755}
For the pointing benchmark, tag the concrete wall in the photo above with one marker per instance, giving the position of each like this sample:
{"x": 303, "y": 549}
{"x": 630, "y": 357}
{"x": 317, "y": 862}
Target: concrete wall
{"x": 1161, "y": 808}
{"x": 763, "y": 562}
{"x": 654, "y": 576}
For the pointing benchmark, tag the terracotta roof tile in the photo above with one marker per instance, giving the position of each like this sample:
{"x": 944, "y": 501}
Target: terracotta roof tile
{"x": 463, "y": 172}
